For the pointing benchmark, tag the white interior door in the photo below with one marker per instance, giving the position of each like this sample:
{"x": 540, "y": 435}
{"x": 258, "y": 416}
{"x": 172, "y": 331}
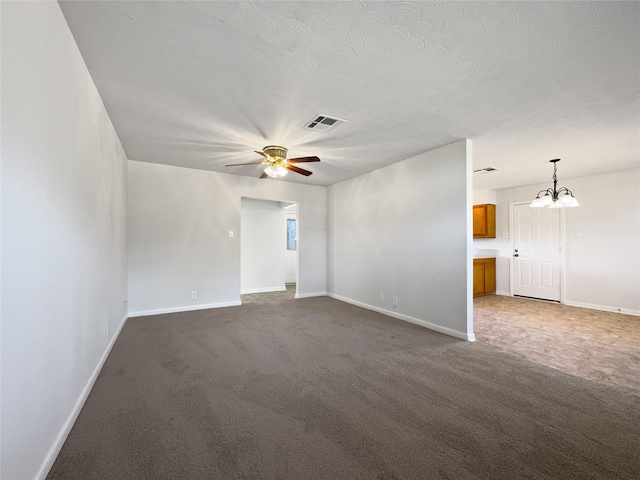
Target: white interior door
{"x": 291, "y": 251}
{"x": 536, "y": 252}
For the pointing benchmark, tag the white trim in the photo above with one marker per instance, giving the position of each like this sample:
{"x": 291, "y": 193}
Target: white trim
{"x": 604, "y": 308}
{"x": 160, "y": 311}
{"x": 407, "y": 318}
{"x": 469, "y": 227}
{"x": 263, "y": 290}
{"x": 57, "y": 444}
{"x": 506, "y": 294}
{"x": 309, "y": 295}
{"x": 591, "y": 306}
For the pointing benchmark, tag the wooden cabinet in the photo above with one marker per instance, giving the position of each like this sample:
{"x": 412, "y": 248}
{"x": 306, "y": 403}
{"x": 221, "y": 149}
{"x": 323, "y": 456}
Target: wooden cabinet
{"x": 484, "y": 276}
{"x": 484, "y": 221}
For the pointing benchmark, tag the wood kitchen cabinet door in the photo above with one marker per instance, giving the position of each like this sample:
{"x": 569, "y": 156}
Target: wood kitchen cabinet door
{"x": 484, "y": 221}
{"x": 484, "y": 276}
{"x": 478, "y": 278}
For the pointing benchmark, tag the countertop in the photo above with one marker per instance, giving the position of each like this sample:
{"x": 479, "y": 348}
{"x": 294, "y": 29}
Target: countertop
{"x": 485, "y": 253}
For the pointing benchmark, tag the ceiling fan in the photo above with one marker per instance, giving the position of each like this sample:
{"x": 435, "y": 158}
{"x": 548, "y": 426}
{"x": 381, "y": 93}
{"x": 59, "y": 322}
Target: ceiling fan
{"x": 275, "y": 157}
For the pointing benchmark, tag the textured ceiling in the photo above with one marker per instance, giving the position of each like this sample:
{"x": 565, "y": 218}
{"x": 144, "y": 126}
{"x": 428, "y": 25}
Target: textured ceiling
{"x": 202, "y": 84}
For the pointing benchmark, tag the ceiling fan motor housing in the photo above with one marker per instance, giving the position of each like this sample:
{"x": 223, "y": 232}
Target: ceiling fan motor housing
{"x": 275, "y": 151}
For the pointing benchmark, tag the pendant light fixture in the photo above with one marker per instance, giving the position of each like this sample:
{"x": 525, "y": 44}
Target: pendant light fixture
{"x": 554, "y": 197}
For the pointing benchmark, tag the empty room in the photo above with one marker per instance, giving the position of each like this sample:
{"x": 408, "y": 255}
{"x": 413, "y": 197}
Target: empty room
{"x": 320, "y": 240}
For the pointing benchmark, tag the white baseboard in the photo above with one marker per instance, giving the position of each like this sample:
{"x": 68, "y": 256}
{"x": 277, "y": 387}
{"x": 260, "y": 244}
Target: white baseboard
{"x": 506, "y": 294}
{"x": 592, "y": 306}
{"x": 189, "y": 308}
{"x": 309, "y": 295}
{"x": 57, "y": 444}
{"x": 603, "y": 308}
{"x": 407, "y": 318}
{"x": 263, "y": 290}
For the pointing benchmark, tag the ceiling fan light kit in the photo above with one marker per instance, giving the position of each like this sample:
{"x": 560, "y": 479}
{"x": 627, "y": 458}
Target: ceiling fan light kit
{"x": 555, "y": 197}
{"x": 275, "y": 171}
{"x": 275, "y": 157}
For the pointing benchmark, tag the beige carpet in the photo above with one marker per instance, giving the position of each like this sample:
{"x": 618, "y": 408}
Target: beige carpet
{"x": 319, "y": 389}
{"x": 600, "y": 346}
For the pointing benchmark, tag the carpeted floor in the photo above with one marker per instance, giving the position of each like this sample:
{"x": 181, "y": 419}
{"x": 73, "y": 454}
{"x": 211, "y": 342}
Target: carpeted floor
{"x": 600, "y": 346}
{"x": 319, "y": 389}
{"x": 271, "y": 297}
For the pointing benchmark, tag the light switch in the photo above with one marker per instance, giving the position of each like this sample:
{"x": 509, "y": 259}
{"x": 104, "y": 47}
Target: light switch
{"x": 578, "y": 234}
{"x": 230, "y": 233}
{"x": 505, "y": 235}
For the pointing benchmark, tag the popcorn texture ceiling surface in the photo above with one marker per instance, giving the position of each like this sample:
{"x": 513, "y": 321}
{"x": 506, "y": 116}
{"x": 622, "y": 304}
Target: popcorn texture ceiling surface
{"x": 203, "y": 84}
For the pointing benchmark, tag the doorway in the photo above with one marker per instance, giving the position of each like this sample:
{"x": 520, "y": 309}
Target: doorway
{"x": 536, "y": 262}
{"x": 291, "y": 247}
{"x": 268, "y": 250}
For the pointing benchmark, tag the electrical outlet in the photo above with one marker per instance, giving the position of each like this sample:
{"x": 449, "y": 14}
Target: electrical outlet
{"x": 382, "y": 297}
{"x": 194, "y": 295}
{"x": 395, "y": 301}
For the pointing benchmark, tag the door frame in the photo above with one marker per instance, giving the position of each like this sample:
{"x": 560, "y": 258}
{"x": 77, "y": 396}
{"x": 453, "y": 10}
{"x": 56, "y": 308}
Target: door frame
{"x": 562, "y": 261}
{"x": 281, "y": 201}
{"x": 297, "y": 244}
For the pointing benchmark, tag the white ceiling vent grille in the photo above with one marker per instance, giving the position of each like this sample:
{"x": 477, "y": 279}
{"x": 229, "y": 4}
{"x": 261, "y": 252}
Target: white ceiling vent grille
{"x": 324, "y": 123}
{"x": 482, "y": 171}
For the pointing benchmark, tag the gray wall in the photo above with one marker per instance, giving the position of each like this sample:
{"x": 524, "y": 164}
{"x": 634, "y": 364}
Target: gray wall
{"x": 63, "y": 236}
{"x": 178, "y": 236}
{"x": 405, "y": 231}
{"x": 263, "y": 245}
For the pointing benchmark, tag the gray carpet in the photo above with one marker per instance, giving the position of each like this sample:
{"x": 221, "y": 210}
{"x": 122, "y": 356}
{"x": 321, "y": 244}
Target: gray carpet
{"x": 319, "y": 389}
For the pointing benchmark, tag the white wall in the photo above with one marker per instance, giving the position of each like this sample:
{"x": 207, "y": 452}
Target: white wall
{"x": 603, "y": 265}
{"x": 481, "y": 197}
{"x": 63, "y": 236}
{"x": 262, "y": 244}
{"x": 178, "y": 236}
{"x": 405, "y": 231}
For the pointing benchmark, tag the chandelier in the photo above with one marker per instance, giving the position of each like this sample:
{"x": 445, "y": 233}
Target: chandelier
{"x": 554, "y": 197}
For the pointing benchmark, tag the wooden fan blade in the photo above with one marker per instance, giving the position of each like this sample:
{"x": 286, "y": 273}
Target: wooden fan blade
{"x": 303, "y": 159}
{"x": 301, "y": 171}
{"x": 264, "y": 175}
{"x": 239, "y": 164}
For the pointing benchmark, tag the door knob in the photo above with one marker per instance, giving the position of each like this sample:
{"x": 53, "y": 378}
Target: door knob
{"x": 516, "y": 255}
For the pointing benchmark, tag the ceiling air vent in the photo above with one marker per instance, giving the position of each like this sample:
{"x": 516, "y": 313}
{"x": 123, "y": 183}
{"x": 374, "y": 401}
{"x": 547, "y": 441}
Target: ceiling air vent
{"x": 482, "y": 171}
{"x": 324, "y": 123}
